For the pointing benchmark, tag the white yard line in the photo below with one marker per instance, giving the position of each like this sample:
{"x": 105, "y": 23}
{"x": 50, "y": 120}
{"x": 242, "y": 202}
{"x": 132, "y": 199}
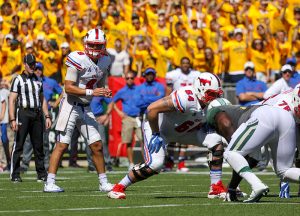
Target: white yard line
{"x": 136, "y": 207}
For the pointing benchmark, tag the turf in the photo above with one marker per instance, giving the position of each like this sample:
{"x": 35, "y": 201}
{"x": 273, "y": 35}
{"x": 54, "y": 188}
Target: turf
{"x": 165, "y": 194}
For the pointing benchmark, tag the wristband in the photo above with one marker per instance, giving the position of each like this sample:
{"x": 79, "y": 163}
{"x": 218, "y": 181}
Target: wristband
{"x": 47, "y": 116}
{"x": 12, "y": 120}
{"x": 89, "y": 92}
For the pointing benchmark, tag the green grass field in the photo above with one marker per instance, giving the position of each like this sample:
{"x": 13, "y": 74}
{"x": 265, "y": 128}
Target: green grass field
{"x": 165, "y": 194}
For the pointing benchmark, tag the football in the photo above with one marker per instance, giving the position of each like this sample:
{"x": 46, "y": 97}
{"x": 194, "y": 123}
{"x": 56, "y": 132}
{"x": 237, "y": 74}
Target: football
{"x": 218, "y": 102}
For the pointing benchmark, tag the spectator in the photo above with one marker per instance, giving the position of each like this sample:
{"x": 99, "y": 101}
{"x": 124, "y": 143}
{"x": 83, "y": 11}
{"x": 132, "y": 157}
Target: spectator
{"x": 11, "y": 60}
{"x": 249, "y": 90}
{"x": 120, "y": 59}
{"x": 130, "y": 114}
{"x": 282, "y": 84}
{"x": 102, "y": 117}
{"x": 149, "y": 91}
{"x": 65, "y": 51}
{"x": 236, "y": 49}
{"x": 4, "y": 92}
{"x": 295, "y": 79}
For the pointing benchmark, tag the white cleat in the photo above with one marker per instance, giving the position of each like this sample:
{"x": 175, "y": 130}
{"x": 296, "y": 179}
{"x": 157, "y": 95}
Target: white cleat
{"x": 106, "y": 187}
{"x": 52, "y": 188}
{"x": 118, "y": 192}
{"x": 257, "y": 194}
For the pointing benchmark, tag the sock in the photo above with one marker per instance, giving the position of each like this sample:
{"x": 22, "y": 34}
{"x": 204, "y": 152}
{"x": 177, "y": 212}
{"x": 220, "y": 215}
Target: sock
{"x": 51, "y": 178}
{"x": 292, "y": 174}
{"x": 215, "y": 176}
{"x": 126, "y": 182}
{"x": 102, "y": 178}
{"x": 241, "y": 166}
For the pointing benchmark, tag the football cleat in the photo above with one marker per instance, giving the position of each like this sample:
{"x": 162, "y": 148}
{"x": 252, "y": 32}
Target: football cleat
{"x": 181, "y": 167}
{"x": 106, "y": 187}
{"x": 284, "y": 190}
{"x": 52, "y": 188}
{"x": 257, "y": 194}
{"x": 118, "y": 192}
{"x": 217, "y": 191}
{"x": 240, "y": 193}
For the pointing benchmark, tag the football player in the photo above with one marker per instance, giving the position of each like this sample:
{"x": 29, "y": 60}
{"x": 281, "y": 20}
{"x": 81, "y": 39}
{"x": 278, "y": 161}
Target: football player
{"x": 85, "y": 78}
{"x": 283, "y": 101}
{"x": 178, "y": 117}
{"x": 248, "y": 129}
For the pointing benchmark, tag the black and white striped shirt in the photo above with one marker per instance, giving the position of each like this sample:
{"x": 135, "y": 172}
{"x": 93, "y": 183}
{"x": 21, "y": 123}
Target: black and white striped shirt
{"x": 29, "y": 89}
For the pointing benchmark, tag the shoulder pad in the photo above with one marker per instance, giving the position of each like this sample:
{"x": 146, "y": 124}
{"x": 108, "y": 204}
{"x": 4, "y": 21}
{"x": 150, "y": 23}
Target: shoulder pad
{"x": 184, "y": 100}
{"x": 211, "y": 114}
{"x": 75, "y": 60}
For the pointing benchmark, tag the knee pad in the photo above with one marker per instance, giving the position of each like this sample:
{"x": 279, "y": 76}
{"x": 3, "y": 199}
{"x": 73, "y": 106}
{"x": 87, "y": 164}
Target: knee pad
{"x": 215, "y": 157}
{"x": 142, "y": 171}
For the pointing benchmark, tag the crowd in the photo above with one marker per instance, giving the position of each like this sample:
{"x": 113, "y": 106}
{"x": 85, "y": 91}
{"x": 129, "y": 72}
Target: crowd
{"x": 218, "y": 36}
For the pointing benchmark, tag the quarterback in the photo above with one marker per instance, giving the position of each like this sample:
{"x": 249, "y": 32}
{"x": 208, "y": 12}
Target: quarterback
{"x": 85, "y": 78}
{"x": 179, "y": 117}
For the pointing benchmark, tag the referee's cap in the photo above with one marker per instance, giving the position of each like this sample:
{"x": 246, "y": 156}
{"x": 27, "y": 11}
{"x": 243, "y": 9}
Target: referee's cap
{"x": 29, "y": 59}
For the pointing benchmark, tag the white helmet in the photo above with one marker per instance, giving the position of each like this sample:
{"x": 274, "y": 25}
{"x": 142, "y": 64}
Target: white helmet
{"x": 208, "y": 87}
{"x": 95, "y": 43}
{"x": 296, "y": 100}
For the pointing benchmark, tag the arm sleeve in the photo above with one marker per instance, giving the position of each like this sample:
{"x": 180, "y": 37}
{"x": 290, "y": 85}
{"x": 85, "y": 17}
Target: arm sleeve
{"x": 126, "y": 59}
{"x": 15, "y": 84}
{"x": 239, "y": 89}
{"x": 118, "y": 96}
{"x": 274, "y": 89}
{"x": 72, "y": 74}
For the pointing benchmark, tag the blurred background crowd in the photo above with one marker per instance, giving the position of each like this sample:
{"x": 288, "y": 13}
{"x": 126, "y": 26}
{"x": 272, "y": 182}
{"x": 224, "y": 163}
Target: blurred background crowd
{"x": 218, "y": 36}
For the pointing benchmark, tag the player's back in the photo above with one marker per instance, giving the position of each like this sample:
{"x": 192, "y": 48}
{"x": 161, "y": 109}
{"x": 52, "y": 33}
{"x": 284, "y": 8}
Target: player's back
{"x": 283, "y": 101}
{"x": 188, "y": 117}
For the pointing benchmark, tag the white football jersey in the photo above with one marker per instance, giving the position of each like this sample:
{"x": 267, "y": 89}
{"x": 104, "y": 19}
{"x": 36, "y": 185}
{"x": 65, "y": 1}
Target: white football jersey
{"x": 89, "y": 75}
{"x": 283, "y": 101}
{"x": 190, "y": 117}
{"x": 179, "y": 79}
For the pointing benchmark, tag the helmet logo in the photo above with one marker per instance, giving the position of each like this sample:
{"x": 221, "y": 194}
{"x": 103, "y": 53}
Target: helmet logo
{"x": 204, "y": 81}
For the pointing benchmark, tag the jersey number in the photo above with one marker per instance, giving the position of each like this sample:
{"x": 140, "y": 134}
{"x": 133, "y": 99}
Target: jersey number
{"x": 189, "y": 93}
{"x": 186, "y": 126}
{"x": 285, "y": 105}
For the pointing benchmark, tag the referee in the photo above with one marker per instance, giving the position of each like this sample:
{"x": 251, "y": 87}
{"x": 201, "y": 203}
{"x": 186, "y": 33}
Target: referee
{"x": 26, "y": 117}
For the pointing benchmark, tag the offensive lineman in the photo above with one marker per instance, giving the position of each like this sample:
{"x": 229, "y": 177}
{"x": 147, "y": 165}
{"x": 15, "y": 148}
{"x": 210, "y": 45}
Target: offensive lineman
{"x": 247, "y": 129}
{"x": 85, "y": 78}
{"x": 178, "y": 117}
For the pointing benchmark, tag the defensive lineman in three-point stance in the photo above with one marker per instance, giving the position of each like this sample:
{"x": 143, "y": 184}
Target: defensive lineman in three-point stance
{"x": 85, "y": 78}
{"x": 247, "y": 129}
{"x": 178, "y": 117}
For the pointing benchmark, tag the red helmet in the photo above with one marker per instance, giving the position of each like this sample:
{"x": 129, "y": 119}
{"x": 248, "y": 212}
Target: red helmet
{"x": 95, "y": 43}
{"x": 208, "y": 87}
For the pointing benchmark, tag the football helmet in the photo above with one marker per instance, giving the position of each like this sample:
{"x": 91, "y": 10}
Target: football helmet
{"x": 95, "y": 43}
{"x": 208, "y": 87}
{"x": 296, "y": 100}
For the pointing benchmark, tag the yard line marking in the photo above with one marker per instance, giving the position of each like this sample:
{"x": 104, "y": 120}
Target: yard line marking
{"x": 138, "y": 207}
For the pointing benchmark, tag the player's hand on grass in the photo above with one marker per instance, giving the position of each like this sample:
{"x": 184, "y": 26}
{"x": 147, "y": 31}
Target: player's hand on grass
{"x": 156, "y": 142}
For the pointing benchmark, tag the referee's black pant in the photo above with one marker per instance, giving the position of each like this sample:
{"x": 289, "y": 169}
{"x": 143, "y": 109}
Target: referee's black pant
{"x": 29, "y": 121}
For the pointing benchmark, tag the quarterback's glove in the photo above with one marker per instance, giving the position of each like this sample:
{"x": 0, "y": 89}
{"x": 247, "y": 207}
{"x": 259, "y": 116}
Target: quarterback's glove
{"x": 156, "y": 142}
{"x": 284, "y": 190}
